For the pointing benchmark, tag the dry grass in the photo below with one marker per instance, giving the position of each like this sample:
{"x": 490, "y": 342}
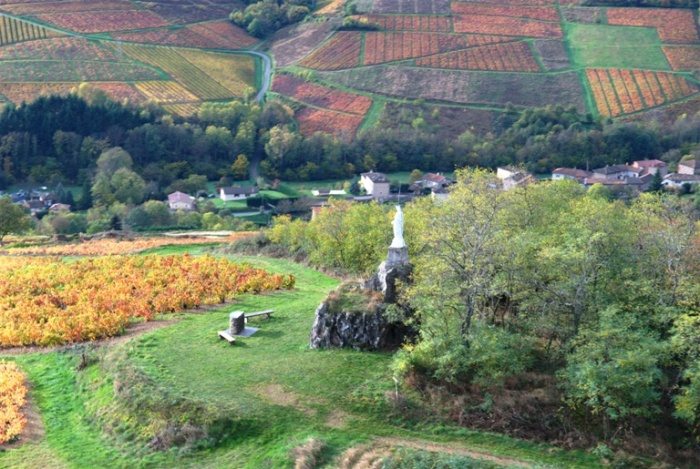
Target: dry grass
{"x": 307, "y": 456}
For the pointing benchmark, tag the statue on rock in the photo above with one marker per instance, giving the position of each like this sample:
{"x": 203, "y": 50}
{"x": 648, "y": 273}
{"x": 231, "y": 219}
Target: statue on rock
{"x": 398, "y": 241}
{"x": 368, "y": 327}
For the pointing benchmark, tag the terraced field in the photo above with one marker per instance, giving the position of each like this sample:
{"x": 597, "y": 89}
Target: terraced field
{"x": 52, "y": 47}
{"x": 469, "y": 53}
{"x": 613, "y": 62}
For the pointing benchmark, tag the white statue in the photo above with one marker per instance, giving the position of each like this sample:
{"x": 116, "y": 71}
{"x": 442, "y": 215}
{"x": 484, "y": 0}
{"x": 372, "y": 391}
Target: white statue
{"x": 398, "y": 241}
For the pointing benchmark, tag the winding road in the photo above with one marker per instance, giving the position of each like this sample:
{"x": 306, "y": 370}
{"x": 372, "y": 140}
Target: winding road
{"x": 267, "y": 73}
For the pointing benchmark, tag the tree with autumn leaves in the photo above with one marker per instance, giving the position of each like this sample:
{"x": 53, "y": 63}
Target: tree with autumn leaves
{"x": 13, "y": 218}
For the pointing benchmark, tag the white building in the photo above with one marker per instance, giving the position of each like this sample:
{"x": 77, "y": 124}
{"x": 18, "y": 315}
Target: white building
{"x": 375, "y": 184}
{"x": 237, "y": 193}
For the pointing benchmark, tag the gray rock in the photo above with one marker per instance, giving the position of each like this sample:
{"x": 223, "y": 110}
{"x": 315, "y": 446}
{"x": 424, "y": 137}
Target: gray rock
{"x": 368, "y": 329}
{"x": 360, "y": 331}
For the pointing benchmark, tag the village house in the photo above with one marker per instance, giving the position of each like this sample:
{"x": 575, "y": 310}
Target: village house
{"x": 513, "y": 177}
{"x": 578, "y": 175}
{"x": 434, "y": 181}
{"x": 652, "y": 167}
{"x": 59, "y": 208}
{"x": 679, "y": 179}
{"x": 237, "y": 193}
{"x": 375, "y": 184}
{"x": 619, "y": 171}
{"x": 691, "y": 167}
{"x": 181, "y": 201}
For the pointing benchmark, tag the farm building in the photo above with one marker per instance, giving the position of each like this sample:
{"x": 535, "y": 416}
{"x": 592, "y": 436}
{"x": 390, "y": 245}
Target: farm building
{"x": 237, "y": 193}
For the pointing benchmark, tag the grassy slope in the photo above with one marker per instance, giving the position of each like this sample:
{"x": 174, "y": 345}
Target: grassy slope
{"x": 602, "y": 46}
{"x": 282, "y": 391}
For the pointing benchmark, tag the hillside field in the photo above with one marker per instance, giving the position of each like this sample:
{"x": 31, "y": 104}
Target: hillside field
{"x": 477, "y": 56}
{"x": 275, "y": 393}
{"x": 483, "y": 55}
{"x": 176, "y": 54}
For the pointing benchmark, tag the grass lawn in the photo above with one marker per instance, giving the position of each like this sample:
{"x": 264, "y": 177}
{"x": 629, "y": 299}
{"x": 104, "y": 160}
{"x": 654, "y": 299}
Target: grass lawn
{"x": 280, "y": 392}
{"x": 601, "y": 46}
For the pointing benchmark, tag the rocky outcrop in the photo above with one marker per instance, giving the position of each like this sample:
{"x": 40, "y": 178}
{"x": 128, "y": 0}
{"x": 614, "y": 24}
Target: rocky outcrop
{"x": 356, "y": 315}
{"x": 357, "y": 330}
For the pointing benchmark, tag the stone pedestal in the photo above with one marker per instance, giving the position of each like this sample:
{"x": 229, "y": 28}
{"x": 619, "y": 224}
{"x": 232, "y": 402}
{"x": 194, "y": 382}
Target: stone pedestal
{"x": 236, "y": 322}
{"x": 397, "y": 257}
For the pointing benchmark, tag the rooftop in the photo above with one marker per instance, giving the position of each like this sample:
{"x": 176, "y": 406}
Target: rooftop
{"x": 375, "y": 177}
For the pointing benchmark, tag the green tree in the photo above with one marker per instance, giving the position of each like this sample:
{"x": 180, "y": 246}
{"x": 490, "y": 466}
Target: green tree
{"x": 13, "y": 218}
{"x": 112, "y": 160}
{"x": 655, "y": 184}
{"x": 101, "y": 191}
{"x": 415, "y": 175}
{"x": 279, "y": 145}
{"x": 615, "y": 370}
{"x": 85, "y": 201}
{"x": 127, "y": 186}
{"x": 239, "y": 168}
{"x": 158, "y": 212}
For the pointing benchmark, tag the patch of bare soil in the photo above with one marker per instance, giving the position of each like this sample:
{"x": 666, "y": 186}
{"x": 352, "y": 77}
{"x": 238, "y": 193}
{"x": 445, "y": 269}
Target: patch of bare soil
{"x": 275, "y": 394}
{"x": 435, "y": 447}
{"x": 371, "y": 456}
{"x": 33, "y": 431}
{"x": 337, "y": 419}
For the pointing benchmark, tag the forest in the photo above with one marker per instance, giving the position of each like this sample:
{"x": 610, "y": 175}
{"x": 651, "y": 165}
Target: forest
{"x": 545, "y": 312}
{"x": 59, "y": 139}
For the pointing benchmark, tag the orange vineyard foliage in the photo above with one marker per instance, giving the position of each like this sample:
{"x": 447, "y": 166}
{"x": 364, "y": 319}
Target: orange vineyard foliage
{"x": 341, "y": 51}
{"x": 535, "y": 13}
{"x": 509, "y": 57}
{"x": 618, "y": 92}
{"x": 683, "y": 57}
{"x": 507, "y": 26}
{"x": 321, "y": 120}
{"x": 13, "y": 393}
{"x": 383, "y": 47}
{"x": 111, "y": 247}
{"x": 407, "y": 22}
{"x": 674, "y": 26}
{"x": 104, "y": 21}
{"x": 320, "y": 96}
{"x": 44, "y": 301}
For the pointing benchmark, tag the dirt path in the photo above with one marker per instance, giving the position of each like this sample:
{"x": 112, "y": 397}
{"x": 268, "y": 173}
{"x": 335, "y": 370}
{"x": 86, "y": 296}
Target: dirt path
{"x": 450, "y": 449}
{"x": 33, "y": 431}
{"x": 132, "y": 331}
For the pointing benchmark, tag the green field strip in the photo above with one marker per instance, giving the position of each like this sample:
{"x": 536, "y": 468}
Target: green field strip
{"x": 372, "y": 116}
{"x": 601, "y": 46}
{"x": 533, "y": 50}
{"x": 588, "y": 93}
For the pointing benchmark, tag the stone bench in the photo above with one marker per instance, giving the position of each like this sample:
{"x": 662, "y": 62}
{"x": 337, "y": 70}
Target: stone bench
{"x": 266, "y": 313}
